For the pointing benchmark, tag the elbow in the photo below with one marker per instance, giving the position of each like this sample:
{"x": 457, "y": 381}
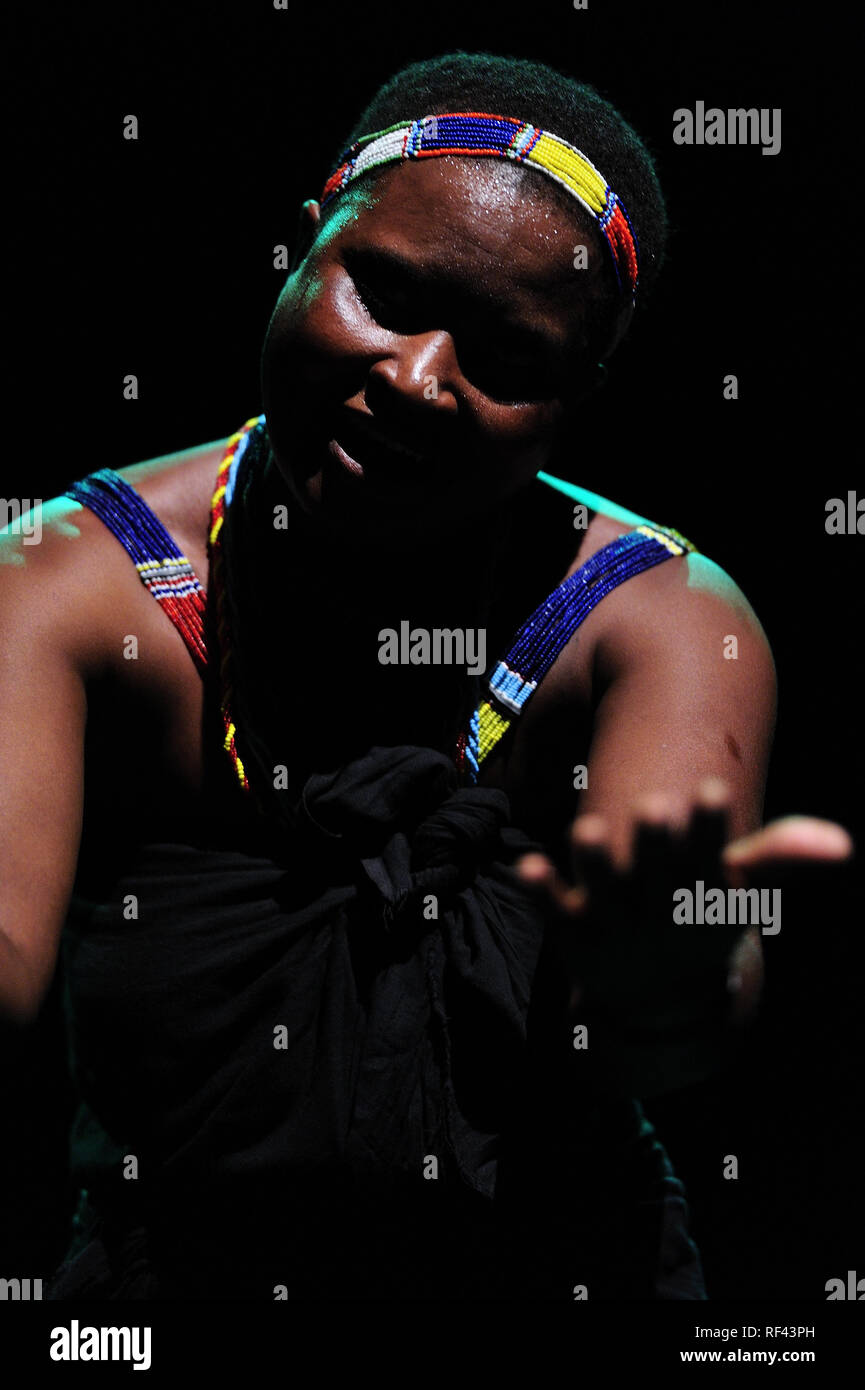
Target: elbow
{"x": 21, "y": 995}
{"x": 18, "y": 1011}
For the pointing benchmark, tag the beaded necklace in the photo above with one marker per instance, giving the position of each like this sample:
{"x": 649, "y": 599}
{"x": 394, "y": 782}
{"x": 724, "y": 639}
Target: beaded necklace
{"x": 168, "y": 576}
{"x": 517, "y": 674}
{"x": 544, "y": 635}
{"x": 163, "y": 569}
{"x": 225, "y": 480}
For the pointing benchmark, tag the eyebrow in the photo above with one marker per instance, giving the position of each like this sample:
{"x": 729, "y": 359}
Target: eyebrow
{"x": 389, "y": 261}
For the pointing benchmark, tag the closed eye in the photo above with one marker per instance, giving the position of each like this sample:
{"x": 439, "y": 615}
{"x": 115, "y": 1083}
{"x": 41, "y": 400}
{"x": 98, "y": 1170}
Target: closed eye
{"x": 390, "y": 304}
{"x": 506, "y": 366}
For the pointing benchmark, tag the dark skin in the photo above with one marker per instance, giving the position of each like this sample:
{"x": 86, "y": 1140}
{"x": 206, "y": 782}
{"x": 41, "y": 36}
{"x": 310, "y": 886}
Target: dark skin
{"x": 484, "y": 300}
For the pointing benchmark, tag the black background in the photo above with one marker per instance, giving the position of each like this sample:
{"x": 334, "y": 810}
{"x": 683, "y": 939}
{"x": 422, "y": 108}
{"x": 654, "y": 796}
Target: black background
{"x": 155, "y": 257}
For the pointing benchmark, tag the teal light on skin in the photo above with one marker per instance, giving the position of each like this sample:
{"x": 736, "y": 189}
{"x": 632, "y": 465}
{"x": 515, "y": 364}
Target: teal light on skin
{"x": 594, "y": 501}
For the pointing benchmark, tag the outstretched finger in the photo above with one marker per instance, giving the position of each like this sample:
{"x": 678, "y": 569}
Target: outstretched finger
{"x": 792, "y": 837}
{"x": 708, "y": 828}
{"x": 542, "y": 877}
{"x": 591, "y": 858}
{"x": 656, "y": 838}
{"x": 787, "y": 847}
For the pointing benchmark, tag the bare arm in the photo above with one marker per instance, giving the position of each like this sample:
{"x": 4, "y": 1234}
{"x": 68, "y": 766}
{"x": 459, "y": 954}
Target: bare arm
{"x": 677, "y": 705}
{"x": 683, "y": 722}
{"x": 42, "y": 719}
{"x": 680, "y": 707}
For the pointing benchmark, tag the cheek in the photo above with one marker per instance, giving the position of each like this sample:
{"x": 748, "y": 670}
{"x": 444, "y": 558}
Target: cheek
{"x": 523, "y": 434}
{"x": 318, "y": 322}
{"x": 513, "y": 444}
{"x": 316, "y": 348}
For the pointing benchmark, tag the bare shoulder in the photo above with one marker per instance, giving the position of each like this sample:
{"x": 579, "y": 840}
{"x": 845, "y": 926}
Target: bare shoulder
{"x": 688, "y": 605}
{"x": 54, "y": 562}
{"x": 179, "y": 487}
{"x": 683, "y": 612}
{"x": 65, "y": 579}
{"x": 674, "y": 659}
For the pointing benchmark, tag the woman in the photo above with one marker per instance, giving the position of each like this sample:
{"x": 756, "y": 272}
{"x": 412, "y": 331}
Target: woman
{"x": 328, "y": 1044}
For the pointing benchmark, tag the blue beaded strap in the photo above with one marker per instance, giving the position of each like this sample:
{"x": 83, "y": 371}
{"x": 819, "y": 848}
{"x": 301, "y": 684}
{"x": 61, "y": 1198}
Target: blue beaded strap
{"x": 162, "y": 567}
{"x": 543, "y": 636}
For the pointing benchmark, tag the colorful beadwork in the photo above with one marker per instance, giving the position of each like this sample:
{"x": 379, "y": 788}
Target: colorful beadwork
{"x": 543, "y": 636}
{"x": 502, "y": 137}
{"x": 169, "y": 577}
{"x": 225, "y": 481}
{"x": 163, "y": 570}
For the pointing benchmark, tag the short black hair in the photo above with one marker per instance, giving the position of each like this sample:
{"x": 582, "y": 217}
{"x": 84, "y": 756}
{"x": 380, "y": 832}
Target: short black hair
{"x": 540, "y": 94}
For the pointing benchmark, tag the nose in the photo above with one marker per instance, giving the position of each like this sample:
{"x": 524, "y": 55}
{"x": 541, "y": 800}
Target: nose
{"x": 420, "y": 370}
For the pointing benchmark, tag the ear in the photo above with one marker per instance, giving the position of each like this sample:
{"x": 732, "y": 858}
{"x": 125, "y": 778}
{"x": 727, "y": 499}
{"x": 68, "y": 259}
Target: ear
{"x": 310, "y": 216}
{"x": 592, "y": 380}
{"x": 599, "y": 376}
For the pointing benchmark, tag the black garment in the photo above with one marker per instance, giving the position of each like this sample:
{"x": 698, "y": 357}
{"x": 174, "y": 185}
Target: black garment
{"x": 329, "y": 1090}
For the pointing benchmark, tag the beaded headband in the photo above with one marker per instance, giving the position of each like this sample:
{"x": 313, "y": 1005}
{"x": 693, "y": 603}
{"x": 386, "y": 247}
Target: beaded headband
{"x": 504, "y": 137}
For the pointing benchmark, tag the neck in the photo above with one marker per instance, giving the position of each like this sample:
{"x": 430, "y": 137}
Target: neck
{"x": 454, "y": 572}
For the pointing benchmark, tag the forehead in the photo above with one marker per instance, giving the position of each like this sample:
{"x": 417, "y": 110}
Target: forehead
{"x": 493, "y": 222}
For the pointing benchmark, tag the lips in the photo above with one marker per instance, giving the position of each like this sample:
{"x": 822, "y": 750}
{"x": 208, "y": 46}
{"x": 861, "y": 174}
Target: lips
{"x": 367, "y": 452}
{"x": 345, "y": 460}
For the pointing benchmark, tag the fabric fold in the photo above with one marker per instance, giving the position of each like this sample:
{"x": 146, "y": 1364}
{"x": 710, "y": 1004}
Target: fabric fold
{"x": 319, "y": 1060}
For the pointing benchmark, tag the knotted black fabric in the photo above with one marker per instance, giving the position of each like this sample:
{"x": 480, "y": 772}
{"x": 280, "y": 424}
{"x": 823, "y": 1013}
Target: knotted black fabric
{"x": 312, "y": 1074}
